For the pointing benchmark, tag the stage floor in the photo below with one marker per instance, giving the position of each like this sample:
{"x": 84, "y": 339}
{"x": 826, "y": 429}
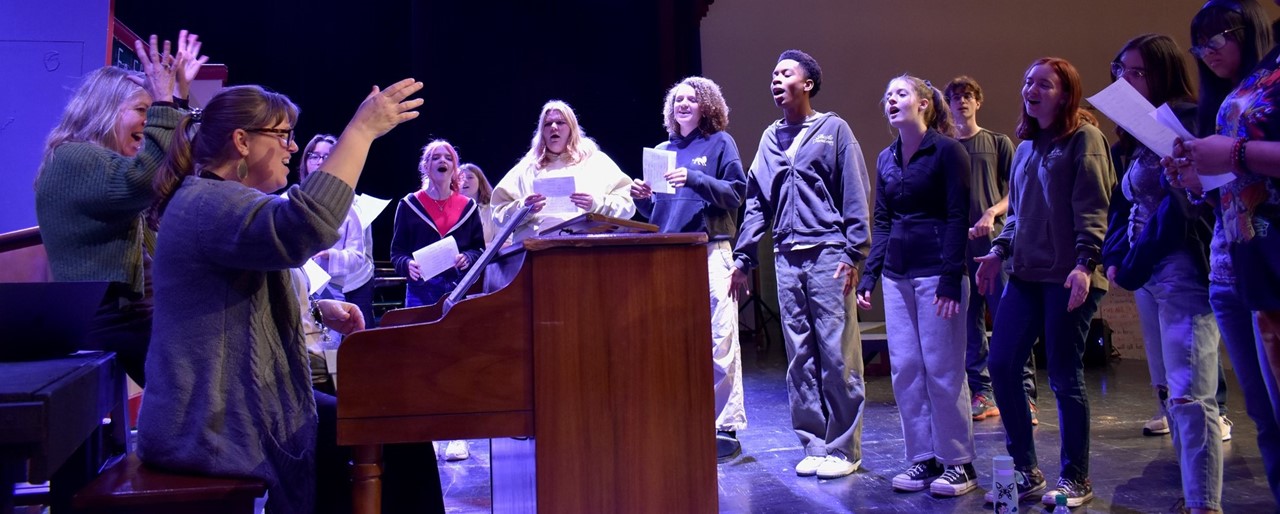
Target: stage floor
{"x": 1130, "y": 472}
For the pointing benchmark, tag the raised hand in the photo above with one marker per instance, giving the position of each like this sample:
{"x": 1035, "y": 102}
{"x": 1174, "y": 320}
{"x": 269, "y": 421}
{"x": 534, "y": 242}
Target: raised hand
{"x": 187, "y": 62}
{"x": 158, "y": 68}
{"x": 383, "y": 109}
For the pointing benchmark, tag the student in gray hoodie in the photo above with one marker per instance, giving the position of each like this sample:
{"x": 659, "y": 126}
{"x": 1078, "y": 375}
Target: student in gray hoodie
{"x": 809, "y": 182}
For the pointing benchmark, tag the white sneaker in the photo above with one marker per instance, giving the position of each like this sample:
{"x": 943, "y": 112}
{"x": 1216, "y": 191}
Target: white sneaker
{"x": 835, "y": 466}
{"x": 1158, "y": 425}
{"x": 1225, "y": 425}
{"x": 809, "y": 466}
{"x": 458, "y": 449}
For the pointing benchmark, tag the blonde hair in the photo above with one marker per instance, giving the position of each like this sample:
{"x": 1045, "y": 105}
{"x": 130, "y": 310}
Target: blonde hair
{"x": 426, "y": 152}
{"x": 938, "y": 115}
{"x": 484, "y": 191}
{"x": 577, "y": 149}
{"x": 90, "y": 116}
{"x": 715, "y": 113}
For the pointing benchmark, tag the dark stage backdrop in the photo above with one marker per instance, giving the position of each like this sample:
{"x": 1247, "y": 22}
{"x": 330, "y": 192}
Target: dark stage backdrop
{"x": 487, "y": 68}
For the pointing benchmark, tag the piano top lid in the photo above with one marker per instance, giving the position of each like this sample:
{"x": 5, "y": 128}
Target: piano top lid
{"x": 595, "y": 223}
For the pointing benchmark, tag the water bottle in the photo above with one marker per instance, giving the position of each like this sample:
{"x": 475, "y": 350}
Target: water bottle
{"x": 1060, "y": 504}
{"x": 1005, "y": 488}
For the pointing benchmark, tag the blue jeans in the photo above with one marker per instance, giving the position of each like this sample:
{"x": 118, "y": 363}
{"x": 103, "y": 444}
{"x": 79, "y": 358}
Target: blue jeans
{"x": 977, "y": 349}
{"x": 1186, "y": 339}
{"x": 824, "y": 364}
{"x": 1025, "y": 308}
{"x": 1235, "y": 321}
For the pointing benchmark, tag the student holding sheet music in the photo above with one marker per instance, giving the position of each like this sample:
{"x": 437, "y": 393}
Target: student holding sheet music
{"x": 430, "y": 215}
{"x": 709, "y": 188}
{"x": 1157, "y": 246}
{"x": 350, "y": 261}
{"x": 564, "y": 174}
{"x": 1238, "y": 99}
{"x": 1052, "y": 240}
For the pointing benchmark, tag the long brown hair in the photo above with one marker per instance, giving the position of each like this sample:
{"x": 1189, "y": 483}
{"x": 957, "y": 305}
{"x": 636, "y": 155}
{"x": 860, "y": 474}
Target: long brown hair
{"x": 203, "y": 138}
{"x": 1070, "y": 116}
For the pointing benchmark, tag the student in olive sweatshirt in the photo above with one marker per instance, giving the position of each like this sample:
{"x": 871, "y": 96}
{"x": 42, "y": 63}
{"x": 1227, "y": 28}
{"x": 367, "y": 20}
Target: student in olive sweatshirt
{"x": 1050, "y": 245}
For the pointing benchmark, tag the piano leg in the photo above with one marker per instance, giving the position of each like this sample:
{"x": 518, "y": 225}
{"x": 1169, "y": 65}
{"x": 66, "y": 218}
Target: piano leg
{"x": 366, "y": 477}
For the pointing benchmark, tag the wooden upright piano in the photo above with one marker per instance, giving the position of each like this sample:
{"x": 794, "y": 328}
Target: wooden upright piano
{"x": 597, "y": 352}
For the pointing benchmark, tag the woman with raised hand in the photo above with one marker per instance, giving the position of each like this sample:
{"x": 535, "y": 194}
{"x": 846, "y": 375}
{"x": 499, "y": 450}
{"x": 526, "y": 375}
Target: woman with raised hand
{"x": 919, "y": 234}
{"x": 1052, "y": 241}
{"x": 1157, "y": 246}
{"x": 230, "y": 390}
{"x": 95, "y": 182}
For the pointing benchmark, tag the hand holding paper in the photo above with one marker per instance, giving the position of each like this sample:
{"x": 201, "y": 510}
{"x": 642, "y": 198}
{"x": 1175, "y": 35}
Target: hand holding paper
{"x": 656, "y": 165}
{"x": 557, "y": 191}
{"x": 436, "y": 257}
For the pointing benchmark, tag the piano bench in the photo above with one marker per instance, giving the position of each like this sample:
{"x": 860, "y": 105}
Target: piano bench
{"x": 128, "y": 486}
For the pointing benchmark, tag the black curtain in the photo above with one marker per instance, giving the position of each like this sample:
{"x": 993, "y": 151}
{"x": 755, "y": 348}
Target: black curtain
{"x": 487, "y": 68}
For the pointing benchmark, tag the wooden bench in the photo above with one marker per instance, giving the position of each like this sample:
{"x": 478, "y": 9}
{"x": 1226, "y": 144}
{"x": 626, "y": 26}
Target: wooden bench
{"x": 128, "y": 486}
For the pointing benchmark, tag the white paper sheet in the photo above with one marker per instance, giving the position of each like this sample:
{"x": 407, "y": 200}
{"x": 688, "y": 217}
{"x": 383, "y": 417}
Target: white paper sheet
{"x": 436, "y": 257}
{"x": 368, "y": 208}
{"x": 656, "y": 164}
{"x": 1169, "y": 119}
{"x": 1127, "y": 107}
{"x": 557, "y": 191}
{"x": 316, "y": 275}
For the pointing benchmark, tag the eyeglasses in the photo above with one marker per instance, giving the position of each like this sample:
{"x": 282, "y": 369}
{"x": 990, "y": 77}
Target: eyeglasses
{"x": 314, "y": 156}
{"x": 968, "y": 95}
{"x": 1118, "y": 71}
{"x": 285, "y": 135}
{"x": 1214, "y": 43}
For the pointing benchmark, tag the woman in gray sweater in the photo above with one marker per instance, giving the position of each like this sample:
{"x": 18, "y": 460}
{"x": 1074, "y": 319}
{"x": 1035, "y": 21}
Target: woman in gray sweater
{"x": 230, "y": 390}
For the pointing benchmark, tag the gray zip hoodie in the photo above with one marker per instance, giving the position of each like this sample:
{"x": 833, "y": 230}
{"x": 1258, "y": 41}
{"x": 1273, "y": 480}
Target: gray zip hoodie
{"x": 819, "y": 198}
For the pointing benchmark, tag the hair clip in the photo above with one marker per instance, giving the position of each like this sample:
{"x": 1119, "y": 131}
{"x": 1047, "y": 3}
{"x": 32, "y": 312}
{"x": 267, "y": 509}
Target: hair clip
{"x": 197, "y": 114}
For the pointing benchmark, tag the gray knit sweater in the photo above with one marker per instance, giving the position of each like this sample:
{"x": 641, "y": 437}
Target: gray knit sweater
{"x": 228, "y": 379}
{"x": 89, "y": 200}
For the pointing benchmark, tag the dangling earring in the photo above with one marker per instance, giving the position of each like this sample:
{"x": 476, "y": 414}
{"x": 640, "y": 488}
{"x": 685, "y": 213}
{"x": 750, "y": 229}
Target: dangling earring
{"x": 242, "y": 170}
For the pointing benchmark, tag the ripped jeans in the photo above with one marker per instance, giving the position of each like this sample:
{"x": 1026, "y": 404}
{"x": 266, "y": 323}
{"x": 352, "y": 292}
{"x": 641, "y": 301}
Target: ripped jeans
{"x": 1189, "y": 343}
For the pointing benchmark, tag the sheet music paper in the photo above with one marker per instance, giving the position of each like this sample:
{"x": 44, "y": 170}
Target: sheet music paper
{"x": 436, "y": 257}
{"x": 316, "y": 275}
{"x": 557, "y": 191}
{"x": 656, "y": 164}
{"x": 1126, "y": 106}
{"x": 1169, "y": 119}
{"x": 368, "y": 208}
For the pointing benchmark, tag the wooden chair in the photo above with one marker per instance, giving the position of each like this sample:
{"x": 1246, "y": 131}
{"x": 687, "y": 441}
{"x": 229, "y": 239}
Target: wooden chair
{"x": 129, "y": 486}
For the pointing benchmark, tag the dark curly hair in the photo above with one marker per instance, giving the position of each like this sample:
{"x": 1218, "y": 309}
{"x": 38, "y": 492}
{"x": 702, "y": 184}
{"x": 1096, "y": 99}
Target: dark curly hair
{"x": 811, "y": 69}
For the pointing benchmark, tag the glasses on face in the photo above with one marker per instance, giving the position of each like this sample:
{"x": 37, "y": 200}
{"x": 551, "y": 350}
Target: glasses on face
{"x": 968, "y": 95}
{"x": 319, "y": 157}
{"x": 285, "y": 135}
{"x": 1119, "y": 71}
{"x": 1213, "y": 43}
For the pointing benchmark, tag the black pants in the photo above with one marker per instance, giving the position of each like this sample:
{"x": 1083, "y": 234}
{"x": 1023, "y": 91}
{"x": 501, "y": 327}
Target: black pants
{"x": 410, "y": 477}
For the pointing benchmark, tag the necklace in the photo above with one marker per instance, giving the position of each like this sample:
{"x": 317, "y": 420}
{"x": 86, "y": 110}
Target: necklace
{"x": 439, "y": 203}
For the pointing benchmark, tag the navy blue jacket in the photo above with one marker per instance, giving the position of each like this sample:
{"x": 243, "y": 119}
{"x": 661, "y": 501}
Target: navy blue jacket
{"x": 920, "y": 227}
{"x": 712, "y": 193}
